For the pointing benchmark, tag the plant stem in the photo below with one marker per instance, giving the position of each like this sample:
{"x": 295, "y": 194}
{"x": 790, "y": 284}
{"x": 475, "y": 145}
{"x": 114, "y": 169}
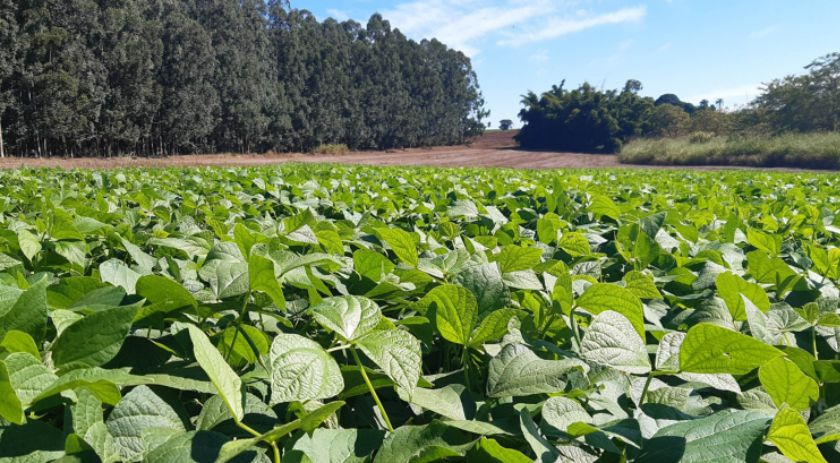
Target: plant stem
{"x": 574, "y": 327}
{"x": 814, "y": 342}
{"x": 645, "y": 389}
{"x": 465, "y": 357}
{"x": 372, "y": 390}
{"x": 238, "y": 322}
{"x": 338, "y": 348}
{"x": 255, "y": 433}
{"x": 276, "y": 452}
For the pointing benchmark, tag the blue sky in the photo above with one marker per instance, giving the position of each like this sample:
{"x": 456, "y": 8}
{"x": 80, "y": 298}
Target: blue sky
{"x": 694, "y": 48}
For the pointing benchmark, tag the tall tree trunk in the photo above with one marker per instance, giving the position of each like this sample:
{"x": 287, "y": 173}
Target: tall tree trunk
{"x": 2, "y": 148}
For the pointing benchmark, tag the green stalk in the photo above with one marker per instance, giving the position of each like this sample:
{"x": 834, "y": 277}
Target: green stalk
{"x": 574, "y": 326}
{"x": 814, "y": 342}
{"x": 465, "y": 363}
{"x": 645, "y": 389}
{"x": 238, "y": 322}
{"x": 371, "y": 389}
{"x": 254, "y": 433}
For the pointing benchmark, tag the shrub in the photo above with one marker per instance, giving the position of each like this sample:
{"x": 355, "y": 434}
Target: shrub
{"x": 701, "y": 137}
{"x": 331, "y": 149}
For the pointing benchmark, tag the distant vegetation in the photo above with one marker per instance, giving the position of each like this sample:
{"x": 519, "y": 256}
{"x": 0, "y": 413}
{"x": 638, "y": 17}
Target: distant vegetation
{"x": 795, "y": 121}
{"x": 815, "y": 150}
{"x": 505, "y": 124}
{"x": 85, "y": 77}
{"x": 590, "y": 120}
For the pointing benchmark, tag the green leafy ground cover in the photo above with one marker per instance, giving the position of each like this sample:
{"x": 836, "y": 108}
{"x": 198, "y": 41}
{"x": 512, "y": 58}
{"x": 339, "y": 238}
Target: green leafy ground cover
{"x": 347, "y": 314}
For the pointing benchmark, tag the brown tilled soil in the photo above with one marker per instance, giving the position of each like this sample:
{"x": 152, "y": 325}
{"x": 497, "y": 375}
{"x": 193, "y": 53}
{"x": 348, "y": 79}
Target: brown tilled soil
{"x": 494, "y": 149}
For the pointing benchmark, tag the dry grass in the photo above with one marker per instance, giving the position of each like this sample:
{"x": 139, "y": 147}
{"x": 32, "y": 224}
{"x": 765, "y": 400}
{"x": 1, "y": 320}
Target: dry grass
{"x": 813, "y": 151}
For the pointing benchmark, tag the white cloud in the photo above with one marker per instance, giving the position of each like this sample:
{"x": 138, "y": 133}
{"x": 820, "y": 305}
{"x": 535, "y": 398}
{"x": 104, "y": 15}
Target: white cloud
{"x": 539, "y": 57}
{"x": 462, "y": 24}
{"x": 762, "y": 33}
{"x": 338, "y": 15}
{"x": 741, "y": 94}
{"x": 558, "y": 26}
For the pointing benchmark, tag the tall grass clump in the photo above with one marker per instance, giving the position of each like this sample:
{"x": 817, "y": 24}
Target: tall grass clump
{"x": 809, "y": 150}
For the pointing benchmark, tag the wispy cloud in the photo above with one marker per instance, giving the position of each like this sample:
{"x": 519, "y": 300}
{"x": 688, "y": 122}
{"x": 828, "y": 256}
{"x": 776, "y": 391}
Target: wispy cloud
{"x": 337, "y": 14}
{"x": 467, "y": 24}
{"x": 558, "y": 26}
{"x": 741, "y": 94}
{"x": 762, "y": 33}
{"x": 539, "y": 57}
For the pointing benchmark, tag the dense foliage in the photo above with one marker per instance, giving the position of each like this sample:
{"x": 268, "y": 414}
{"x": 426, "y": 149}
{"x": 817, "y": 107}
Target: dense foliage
{"x": 805, "y": 103}
{"x": 813, "y": 150}
{"x": 590, "y": 120}
{"x": 587, "y": 119}
{"x": 89, "y": 77}
{"x": 343, "y": 314}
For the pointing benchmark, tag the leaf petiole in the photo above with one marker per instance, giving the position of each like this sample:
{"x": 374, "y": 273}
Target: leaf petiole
{"x": 371, "y": 389}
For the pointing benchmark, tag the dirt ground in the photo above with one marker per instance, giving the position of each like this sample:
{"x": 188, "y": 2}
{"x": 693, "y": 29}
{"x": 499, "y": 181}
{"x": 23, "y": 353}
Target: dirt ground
{"x": 494, "y": 149}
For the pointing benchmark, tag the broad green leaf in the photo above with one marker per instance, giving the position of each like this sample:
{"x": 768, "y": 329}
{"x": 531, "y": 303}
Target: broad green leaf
{"x": 826, "y": 427}
{"x": 711, "y": 349}
{"x": 10, "y": 407}
{"x": 86, "y": 412}
{"x": 371, "y": 264}
{"x": 611, "y": 341}
{"x": 641, "y": 285}
{"x": 428, "y": 442}
{"x": 140, "y": 411}
{"x": 164, "y": 295}
{"x": 602, "y": 296}
{"x": 141, "y": 258}
{"x": 490, "y": 451}
{"x": 575, "y": 244}
{"x": 493, "y": 326}
{"x": 397, "y": 353}
{"x": 301, "y": 370}
{"x": 93, "y": 340}
{"x": 262, "y": 278}
{"x": 402, "y": 243}
{"x": 731, "y": 287}
{"x": 224, "y": 379}
{"x": 790, "y": 434}
{"x": 29, "y": 377}
{"x": 18, "y": 341}
{"x": 516, "y": 258}
{"x": 193, "y": 446}
{"x": 29, "y": 312}
{"x": 485, "y": 281}
{"x": 339, "y": 445}
{"x": 118, "y": 274}
{"x": 668, "y": 359}
{"x": 30, "y": 245}
{"x": 518, "y": 371}
{"x": 786, "y": 384}
{"x": 350, "y": 317}
{"x": 245, "y": 344}
{"x": 765, "y": 241}
{"x": 308, "y": 423}
{"x": 604, "y": 206}
{"x": 726, "y": 436}
{"x": 451, "y": 401}
{"x": 35, "y": 441}
{"x": 226, "y": 271}
{"x": 560, "y": 412}
{"x": 455, "y": 312}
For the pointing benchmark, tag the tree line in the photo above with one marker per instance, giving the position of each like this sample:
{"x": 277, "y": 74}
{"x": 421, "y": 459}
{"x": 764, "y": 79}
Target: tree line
{"x": 159, "y": 77}
{"x": 588, "y": 119}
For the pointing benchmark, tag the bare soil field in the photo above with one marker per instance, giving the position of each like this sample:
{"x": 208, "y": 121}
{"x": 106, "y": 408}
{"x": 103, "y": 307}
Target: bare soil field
{"x": 494, "y": 149}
